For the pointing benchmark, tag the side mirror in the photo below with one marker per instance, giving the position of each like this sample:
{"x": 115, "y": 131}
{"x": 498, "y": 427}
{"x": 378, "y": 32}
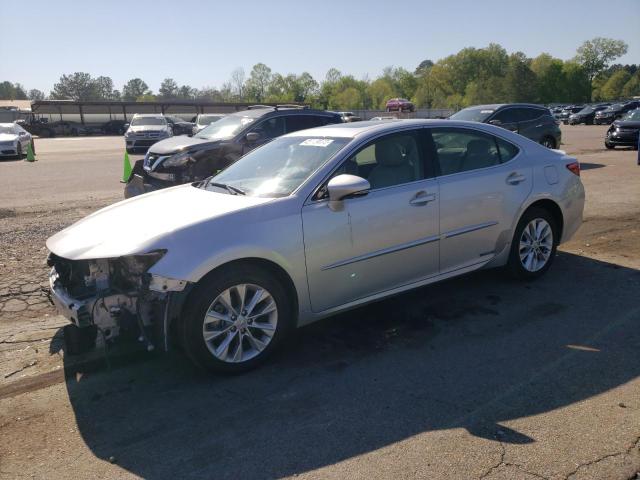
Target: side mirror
{"x": 253, "y": 137}
{"x": 495, "y": 122}
{"x": 344, "y": 186}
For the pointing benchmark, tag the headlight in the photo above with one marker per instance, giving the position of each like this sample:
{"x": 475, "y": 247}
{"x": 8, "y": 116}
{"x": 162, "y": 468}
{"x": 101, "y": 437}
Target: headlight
{"x": 129, "y": 133}
{"x": 178, "y": 160}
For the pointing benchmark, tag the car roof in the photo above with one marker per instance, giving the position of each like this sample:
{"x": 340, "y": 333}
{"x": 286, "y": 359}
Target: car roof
{"x": 355, "y": 129}
{"x": 497, "y": 106}
{"x": 9, "y": 124}
{"x": 260, "y": 112}
{"x": 152, "y": 115}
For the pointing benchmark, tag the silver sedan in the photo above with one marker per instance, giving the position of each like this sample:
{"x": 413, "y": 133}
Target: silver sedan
{"x": 311, "y": 224}
{"x": 14, "y": 140}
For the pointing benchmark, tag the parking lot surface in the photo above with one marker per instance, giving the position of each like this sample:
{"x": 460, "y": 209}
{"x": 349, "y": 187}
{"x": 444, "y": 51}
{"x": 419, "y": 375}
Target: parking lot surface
{"x": 477, "y": 377}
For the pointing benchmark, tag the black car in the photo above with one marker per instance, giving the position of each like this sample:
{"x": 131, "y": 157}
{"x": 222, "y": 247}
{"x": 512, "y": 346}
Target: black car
{"x": 624, "y": 132}
{"x": 178, "y": 160}
{"x": 529, "y": 120}
{"x": 180, "y": 126}
{"x": 114, "y": 127}
{"x": 614, "y": 112}
{"x": 587, "y": 115}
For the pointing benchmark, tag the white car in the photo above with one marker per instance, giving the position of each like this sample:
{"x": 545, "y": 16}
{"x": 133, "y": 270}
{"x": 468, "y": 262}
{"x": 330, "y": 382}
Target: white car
{"x": 14, "y": 140}
{"x": 205, "y": 119}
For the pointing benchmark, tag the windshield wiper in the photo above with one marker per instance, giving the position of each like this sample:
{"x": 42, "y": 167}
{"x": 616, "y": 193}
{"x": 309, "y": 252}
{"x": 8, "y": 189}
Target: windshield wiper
{"x": 232, "y": 190}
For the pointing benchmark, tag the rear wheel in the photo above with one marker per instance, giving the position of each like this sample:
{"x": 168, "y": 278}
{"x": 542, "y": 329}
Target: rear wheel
{"x": 534, "y": 244}
{"x": 236, "y": 318}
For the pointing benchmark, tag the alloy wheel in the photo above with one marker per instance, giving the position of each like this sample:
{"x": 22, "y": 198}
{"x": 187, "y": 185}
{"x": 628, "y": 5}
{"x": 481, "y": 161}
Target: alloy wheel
{"x": 536, "y": 244}
{"x": 240, "y": 323}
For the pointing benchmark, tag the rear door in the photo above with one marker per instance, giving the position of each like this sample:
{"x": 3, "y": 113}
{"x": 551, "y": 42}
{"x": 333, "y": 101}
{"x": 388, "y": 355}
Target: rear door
{"x": 483, "y": 181}
{"x": 506, "y": 118}
{"x": 534, "y": 123}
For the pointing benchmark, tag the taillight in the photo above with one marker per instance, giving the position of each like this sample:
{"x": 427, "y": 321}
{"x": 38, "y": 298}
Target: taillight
{"x": 574, "y": 167}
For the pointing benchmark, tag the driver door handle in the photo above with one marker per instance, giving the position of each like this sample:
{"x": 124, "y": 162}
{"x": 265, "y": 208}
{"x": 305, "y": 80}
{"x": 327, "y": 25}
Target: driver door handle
{"x": 422, "y": 198}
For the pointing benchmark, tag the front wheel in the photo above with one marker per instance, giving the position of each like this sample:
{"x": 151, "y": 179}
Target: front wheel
{"x": 235, "y": 319}
{"x": 534, "y": 244}
{"x": 609, "y": 146}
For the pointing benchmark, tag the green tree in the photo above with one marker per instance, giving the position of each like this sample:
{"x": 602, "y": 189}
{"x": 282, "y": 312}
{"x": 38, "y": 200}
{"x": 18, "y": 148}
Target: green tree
{"x": 576, "y": 87}
{"x": 12, "y": 91}
{"x": 632, "y": 87}
{"x": 35, "y": 94}
{"x": 134, "y": 89}
{"x": 549, "y": 78}
{"x": 186, "y": 92}
{"x": 423, "y": 67}
{"x": 612, "y": 90}
{"x": 520, "y": 81}
{"x": 168, "y": 89}
{"x": 595, "y": 55}
{"x": 348, "y": 99}
{"x": 104, "y": 89}
{"x": 77, "y": 86}
{"x": 380, "y": 91}
{"x": 237, "y": 85}
{"x": 258, "y": 82}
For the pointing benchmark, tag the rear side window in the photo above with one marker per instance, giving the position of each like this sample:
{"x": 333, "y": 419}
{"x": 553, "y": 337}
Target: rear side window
{"x": 302, "y": 122}
{"x": 527, "y": 114}
{"x": 462, "y": 150}
{"x": 508, "y": 115}
{"x": 271, "y": 128}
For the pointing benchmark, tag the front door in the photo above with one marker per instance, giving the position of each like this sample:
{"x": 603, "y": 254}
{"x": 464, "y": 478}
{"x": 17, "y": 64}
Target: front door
{"x": 483, "y": 182}
{"x": 386, "y": 239}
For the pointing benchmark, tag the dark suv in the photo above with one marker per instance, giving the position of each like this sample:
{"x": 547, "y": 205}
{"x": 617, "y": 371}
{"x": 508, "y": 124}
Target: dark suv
{"x": 531, "y": 121}
{"x": 183, "y": 159}
{"x": 180, "y": 126}
{"x": 615, "y": 112}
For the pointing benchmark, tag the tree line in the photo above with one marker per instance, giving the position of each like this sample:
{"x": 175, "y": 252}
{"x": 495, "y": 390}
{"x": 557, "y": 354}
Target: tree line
{"x": 471, "y": 76}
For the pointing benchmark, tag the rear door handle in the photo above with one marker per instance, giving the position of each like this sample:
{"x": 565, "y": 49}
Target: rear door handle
{"x": 422, "y": 198}
{"x": 515, "y": 178}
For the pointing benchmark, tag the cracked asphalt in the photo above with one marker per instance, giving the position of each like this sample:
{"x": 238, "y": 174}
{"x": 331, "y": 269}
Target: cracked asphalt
{"x": 476, "y": 377}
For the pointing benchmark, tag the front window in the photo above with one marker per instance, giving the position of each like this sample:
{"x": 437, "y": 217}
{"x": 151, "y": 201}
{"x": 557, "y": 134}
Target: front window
{"x": 633, "y": 115}
{"x": 224, "y": 129}
{"x": 472, "y": 114}
{"x": 586, "y": 110}
{"x": 139, "y": 121}
{"x": 279, "y": 167}
{"x": 207, "y": 120}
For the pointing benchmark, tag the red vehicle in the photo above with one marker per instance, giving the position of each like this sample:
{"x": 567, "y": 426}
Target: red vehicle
{"x": 400, "y": 105}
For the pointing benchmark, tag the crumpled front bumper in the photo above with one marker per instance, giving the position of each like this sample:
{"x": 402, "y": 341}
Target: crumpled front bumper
{"x": 137, "y": 186}
{"x": 75, "y": 310}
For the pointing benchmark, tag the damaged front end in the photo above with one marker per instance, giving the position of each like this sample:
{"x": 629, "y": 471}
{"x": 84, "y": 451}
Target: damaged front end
{"x": 114, "y": 296}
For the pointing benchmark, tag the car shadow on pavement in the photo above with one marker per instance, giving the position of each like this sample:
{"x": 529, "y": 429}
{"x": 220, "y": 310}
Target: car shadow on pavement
{"x": 472, "y": 352}
{"x": 590, "y": 166}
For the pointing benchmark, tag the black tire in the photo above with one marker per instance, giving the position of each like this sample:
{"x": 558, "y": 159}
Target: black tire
{"x": 514, "y": 264}
{"x": 206, "y": 292}
{"x": 608, "y": 146}
{"x": 19, "y": 150}
{"x": 548, "y": 142}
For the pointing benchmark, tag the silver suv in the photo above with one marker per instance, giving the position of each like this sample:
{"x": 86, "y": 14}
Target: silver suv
{"x": 145, "y": 130}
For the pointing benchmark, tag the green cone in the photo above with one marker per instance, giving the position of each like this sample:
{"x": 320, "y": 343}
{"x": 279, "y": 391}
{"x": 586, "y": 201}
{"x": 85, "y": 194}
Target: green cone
{"x": 31, "y": 156}
{"x": 127, "y": 168}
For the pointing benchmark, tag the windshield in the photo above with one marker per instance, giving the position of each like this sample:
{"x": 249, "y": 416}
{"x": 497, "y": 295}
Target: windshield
{"x": 208, "y": 120}
{"x": 472, "y": 114}
{"x": 633, "y": 115}
{"x": 587, "y": 110}
{"x": 7, "y": 129}
{"x": 226, "y": 128}
{"x": 138, "y": 121}
{"x": 279, "y": 167}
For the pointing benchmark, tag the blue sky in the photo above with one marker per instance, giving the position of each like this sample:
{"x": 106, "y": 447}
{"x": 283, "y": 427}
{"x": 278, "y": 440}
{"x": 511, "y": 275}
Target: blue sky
{"x": 200, "y": 43}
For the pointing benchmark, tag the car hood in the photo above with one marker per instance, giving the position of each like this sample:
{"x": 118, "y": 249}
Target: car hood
{"x": 627, "y": 124}
{"x": 8, "y": 137}
{"x": 144, "y": 223}
{"x": 147, "y": 128}
{"x": 175, "y": 144}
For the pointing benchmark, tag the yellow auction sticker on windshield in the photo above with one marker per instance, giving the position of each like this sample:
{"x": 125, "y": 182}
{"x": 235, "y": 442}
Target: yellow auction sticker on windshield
{"x": 317, "y": 142}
